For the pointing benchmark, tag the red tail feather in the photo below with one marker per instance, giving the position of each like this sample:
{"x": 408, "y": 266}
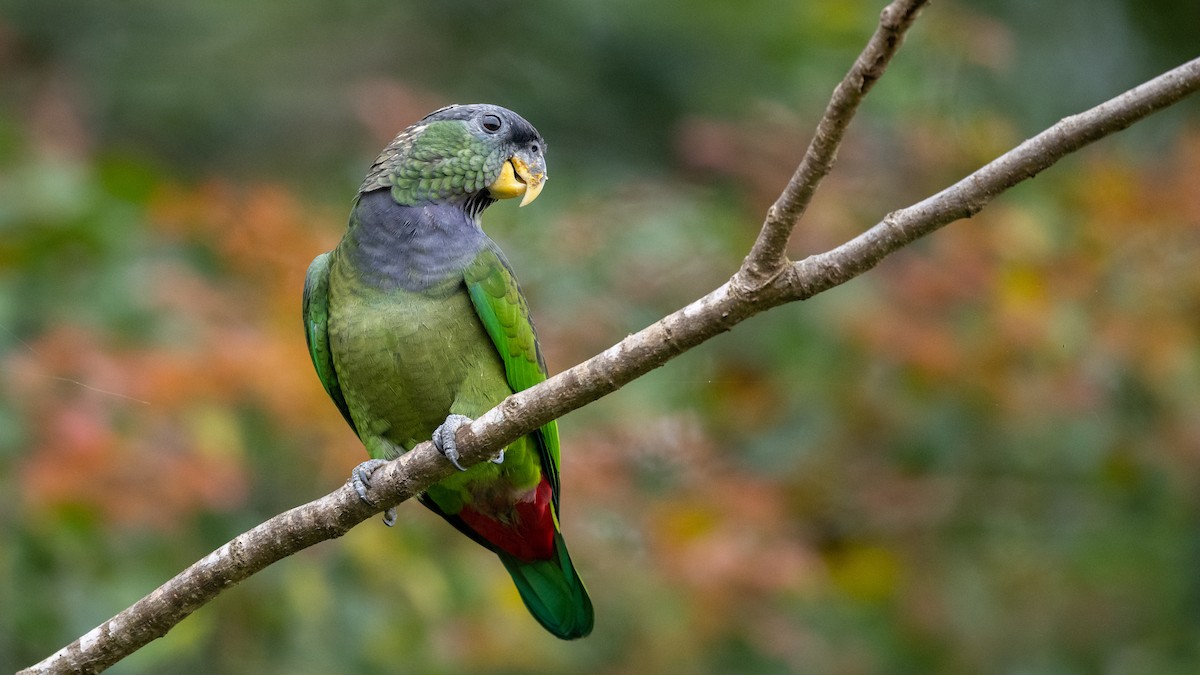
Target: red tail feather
{"x": 526, "y": 532}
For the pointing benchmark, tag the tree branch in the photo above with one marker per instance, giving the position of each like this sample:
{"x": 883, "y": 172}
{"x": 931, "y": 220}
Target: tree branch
{"x": 766, "y": 259}
{"x": 765, "y": 280}
{"x": 968, "y": 196}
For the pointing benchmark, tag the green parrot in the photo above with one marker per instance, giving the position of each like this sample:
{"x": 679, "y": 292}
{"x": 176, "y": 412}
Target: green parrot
{"x": 416, "y": 324}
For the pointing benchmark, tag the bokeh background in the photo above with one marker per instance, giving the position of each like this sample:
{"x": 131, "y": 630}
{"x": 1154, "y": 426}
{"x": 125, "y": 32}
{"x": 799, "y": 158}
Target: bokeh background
{"x": 983, "y": 456}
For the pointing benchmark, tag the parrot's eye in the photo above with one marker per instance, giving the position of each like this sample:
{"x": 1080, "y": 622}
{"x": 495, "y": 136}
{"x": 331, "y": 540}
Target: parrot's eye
{"x": 535, "y": 148}
{"x": 491, "y": 123}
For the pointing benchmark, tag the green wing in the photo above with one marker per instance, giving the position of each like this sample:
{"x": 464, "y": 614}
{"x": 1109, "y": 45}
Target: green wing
{"x": 316, "y": 330}
{"x": 505, "y": 315}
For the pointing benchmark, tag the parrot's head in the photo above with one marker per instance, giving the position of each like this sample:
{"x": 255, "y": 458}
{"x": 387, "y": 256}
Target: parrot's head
{"x": 463, "y": 153}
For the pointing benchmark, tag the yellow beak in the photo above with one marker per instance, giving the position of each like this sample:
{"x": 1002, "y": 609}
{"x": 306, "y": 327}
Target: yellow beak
{"x": 517, "y": 179}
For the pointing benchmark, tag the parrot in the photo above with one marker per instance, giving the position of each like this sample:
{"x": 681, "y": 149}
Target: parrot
{"x": 416, "y": 324}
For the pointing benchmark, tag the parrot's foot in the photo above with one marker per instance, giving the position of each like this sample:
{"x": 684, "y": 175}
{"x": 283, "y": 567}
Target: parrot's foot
{"x": 443, "y": 438}
{"x": 360, "y": 478}
{"x": 498, "y": 459}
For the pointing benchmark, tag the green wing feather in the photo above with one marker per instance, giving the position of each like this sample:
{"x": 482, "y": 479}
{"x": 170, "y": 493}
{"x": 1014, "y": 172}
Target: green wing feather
{"x": 551, "y": 589}
{"x": 505, "y": 315}
{"x": 315, "y": 309}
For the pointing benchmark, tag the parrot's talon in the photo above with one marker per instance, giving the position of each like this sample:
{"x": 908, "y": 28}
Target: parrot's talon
{"x": 444, "y": 441}
{"x": 360, "y": 479}
{"x": 498, "y": 459}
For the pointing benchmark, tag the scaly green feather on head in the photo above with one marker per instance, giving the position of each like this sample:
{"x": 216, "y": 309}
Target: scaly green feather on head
{"x": 459, "y": 151}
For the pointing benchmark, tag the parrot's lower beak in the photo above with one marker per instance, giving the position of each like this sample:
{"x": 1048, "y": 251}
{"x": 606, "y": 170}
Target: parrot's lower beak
{"x": 518, "y": 179}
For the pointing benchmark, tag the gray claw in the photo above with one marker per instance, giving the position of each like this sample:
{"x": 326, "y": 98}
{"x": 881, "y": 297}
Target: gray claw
{"x": 443, "y": 438}
{"x": 360, "y": 478}
{"x": 498, "y": 459}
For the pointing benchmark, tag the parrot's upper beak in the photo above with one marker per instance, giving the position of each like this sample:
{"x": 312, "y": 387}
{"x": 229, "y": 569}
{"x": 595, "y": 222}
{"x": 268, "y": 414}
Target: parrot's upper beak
{"x": 520, "y": 176}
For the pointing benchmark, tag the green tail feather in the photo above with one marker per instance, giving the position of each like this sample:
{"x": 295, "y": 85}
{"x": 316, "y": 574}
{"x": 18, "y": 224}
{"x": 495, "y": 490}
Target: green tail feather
{"x": 553, "y": 592}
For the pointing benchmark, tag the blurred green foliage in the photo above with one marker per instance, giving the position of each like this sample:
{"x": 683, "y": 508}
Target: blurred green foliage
{"x": 983, "y": 456}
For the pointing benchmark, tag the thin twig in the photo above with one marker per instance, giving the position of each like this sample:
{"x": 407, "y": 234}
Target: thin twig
{"x": 968, "y": 196}
{"x": 766, "y": 259}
